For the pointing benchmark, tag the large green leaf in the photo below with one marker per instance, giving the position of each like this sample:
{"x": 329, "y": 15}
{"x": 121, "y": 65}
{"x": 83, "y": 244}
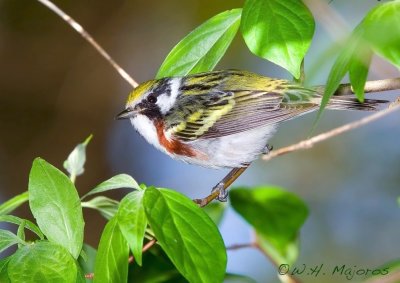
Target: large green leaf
{"x": 358, "y": 70}
{"x": 132, "y": 222}
{"x": 111, "y": 263}
{"x": 55, "y": 204}
{"x": 202, "y": 49}
{"x": 279, "y": 31}
{"x": 9, "y": 206}
{"x": 382, "y": 30}
{"x": 187, "y": 235}
{"x": 116, "y": 182}
{"x": 356, "y": 53}
{"x": 8, "y": 239}
{"x": 76, "y": 160}
{"x": 42, "y": 262}
{"x": 275, "y": 214}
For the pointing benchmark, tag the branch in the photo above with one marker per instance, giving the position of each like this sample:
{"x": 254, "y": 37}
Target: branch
{"x": 90, "y": 40}
{"x": 370, "y": 86}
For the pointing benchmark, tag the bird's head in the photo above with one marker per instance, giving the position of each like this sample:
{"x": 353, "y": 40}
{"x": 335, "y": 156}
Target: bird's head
{"x": 153, "y": 99}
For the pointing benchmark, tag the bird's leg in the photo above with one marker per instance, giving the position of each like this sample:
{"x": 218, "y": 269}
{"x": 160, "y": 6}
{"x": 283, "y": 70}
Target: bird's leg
{"x": 267, "y": 149}
{"x": 226, "y": 182}
{"x": 219, "y": 192}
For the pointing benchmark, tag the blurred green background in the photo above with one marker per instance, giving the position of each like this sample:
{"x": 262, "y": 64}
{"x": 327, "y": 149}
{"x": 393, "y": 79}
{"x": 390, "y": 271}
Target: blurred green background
{"x": 55, "y": 90}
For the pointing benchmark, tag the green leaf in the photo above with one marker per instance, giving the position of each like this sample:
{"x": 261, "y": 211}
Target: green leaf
{"x": 42, "y": 262}
{"x": 8, "y": 239}
{"x": 18, "y": 221}
{"x": 382, "y": 30}
{"x": 111, "y": 263}
{"x": 3, "y": 270}
{"x": 358, "y": 71}
{"x": 87, "y": 264}
{"x": 106, "y": 206}
{"x": 216, "y": 211}
{"x": 279, "y": 31}
{"x": 202, "y": 49}
{"x": 116, "y": 182}
{"x": 55, "y": 204}
{"x": 12, "y": 204}
{"x": 21, "y": 233}
{"x": 187, "y": 235}
{"x": 275, "y": 214}
{"x": 132, "y": 222}
{"x": 76, "y": 159}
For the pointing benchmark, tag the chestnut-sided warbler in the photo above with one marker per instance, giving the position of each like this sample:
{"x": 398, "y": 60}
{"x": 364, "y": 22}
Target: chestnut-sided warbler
{"x": 222, "y": 118}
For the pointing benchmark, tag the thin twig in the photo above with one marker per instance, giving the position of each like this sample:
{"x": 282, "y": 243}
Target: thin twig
{"x": 145, "y": 248}
{"x": 308, "y": 143}
{"x": 240, "y": 246}
{"x": 76, "y": 26}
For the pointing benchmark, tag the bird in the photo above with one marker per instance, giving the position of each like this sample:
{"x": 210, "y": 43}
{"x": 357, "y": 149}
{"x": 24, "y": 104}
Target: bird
{"x": 222, "y": 119}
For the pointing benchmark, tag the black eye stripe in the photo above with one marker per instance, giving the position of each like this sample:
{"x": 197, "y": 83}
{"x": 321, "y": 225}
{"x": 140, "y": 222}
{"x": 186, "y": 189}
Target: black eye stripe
{"x": 152, "y": 99}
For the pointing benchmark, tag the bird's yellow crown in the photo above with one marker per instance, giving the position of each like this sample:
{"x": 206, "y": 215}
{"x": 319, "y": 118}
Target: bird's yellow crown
{"x": 139, "y": 91}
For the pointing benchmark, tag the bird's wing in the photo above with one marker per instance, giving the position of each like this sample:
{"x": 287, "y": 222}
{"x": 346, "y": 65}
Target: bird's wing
{"x": 219, "y": 114}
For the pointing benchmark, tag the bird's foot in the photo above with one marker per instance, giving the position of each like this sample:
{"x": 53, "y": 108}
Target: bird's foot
{"x": 222, "y": 193}
{"x": 267, "y": 149}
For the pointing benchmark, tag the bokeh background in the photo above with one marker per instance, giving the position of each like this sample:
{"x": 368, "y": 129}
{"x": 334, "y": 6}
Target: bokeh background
{"x": 55, "y": 90}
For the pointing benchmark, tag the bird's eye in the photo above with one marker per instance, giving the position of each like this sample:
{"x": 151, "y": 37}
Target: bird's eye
{"x": 152, "y": 99}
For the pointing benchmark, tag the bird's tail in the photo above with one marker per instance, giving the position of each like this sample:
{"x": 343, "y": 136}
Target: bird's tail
{"x": 350, "y": 103}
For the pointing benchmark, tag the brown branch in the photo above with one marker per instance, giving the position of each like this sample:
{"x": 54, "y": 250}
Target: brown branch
{"x": 76, "y": 26}
{"x": 370, "y": 86}
{"x": 146, "y": 247}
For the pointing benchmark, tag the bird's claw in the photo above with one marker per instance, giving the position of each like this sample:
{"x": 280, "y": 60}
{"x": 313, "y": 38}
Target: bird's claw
{"x": 222, "y": 193}
{"x": 267, "y": 149}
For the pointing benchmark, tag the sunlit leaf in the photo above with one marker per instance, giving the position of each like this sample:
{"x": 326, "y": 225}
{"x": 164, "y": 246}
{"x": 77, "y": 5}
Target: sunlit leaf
{"x": 275, "y": 214}
{"x": 111, "y": 263}
{"x": 132, "y": 222}
{"x": 42, "y": 262}
{"x": 56, "y": 206}
{"x": 382, "y": 30}
{"x": 117, "y": 182}
{"x": 187, "y": 235}
{"x": 279, "y": 31}
{"x": 202, "y": 49}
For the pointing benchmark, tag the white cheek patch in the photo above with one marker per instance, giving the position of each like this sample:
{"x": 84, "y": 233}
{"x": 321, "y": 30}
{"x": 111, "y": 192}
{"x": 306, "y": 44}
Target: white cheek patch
{"x": 147, "y": 129}
{"x": 164, "y": 101}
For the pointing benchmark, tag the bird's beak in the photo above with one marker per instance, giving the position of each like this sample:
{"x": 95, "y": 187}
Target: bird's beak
{"x": 125, "y": 114}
